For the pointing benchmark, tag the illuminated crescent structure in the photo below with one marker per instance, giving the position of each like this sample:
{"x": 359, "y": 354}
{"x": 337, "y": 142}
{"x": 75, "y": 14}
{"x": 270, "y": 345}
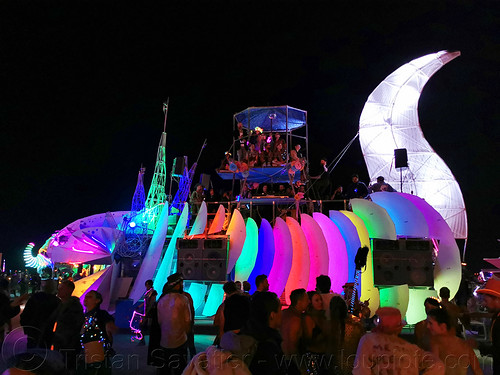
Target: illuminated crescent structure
{"x": 389, "y": 121}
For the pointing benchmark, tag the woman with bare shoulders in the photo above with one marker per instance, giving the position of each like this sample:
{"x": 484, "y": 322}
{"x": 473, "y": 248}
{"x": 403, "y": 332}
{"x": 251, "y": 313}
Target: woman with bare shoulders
{"x": 345, "y": 333}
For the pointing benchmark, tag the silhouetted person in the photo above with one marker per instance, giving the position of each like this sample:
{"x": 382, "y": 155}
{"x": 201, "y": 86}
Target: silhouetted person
{"x": 263, "y": 325}
{"x": 66, "y": 323}
{"x": 356, "y": 189}
{"x": 36, "y": 314}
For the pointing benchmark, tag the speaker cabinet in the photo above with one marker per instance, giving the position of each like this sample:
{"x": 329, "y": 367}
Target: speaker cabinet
{"x": 189, "y": 263}
{"x": 403, "y": 262}
{"x": 214, "y": 264}
{"x": 401, "y": 158}
{"x": 178, "y": 166}
{"x": 202, "y": 259}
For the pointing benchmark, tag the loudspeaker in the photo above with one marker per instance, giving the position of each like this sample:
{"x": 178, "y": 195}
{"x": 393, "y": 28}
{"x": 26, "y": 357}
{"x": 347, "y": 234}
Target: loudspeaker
{"x": 178, "y": 167}
{"x": 398, "y": 267}
{"x": 379, "y": 244}
{"x": 189, "y": 263}
{"x": 401, "y": 158}
{"x": 214, "y": 264}
{"x": 205, "y": 181}
{"x": 202, "y": 259}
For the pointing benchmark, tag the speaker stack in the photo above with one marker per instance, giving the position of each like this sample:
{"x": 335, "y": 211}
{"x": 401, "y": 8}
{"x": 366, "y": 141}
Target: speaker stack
{"x": 403, "y": 262}
{"x": 202, "y": 259}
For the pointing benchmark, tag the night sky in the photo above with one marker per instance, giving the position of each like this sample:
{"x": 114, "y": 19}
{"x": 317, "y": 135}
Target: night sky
{"x": 82, "y": 85}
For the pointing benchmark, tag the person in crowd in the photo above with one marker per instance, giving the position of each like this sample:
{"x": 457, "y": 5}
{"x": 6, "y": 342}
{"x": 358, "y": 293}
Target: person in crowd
{"x": 246, "y": 288}
{"x": 97, "y": 336}
{"x": 252, "y": 156}
{"x": 296, "y": 154}
{"x": 36, "y": 313}
{"x": 190, "y": 342}
{"x": 454, "y": 352}
{"x": 291, "y": 325}
{"x": 64, "y": 325}
{"x": 238, "y": 285}
{"x": 242, "y": 153}
{"x": 14, "y": 283}
{"x": 422, "y": 332}
{"x": 338, "y": 193}
{"x": 212, "y": 199}
{"x": 491, "y": 294}
{"x": 383, "y": 351}
{"x": 226, "y": 162}
{"x": 8, "y": 309}
{"x": 236, "y": 315}
{"x": 148, "y": 307}
{"x": 174, "y": 318}
{"x": 235, "y": 351}
{"x": 453, "y": 310}
{"x": 345, "y": 333}
{"x": 265, "y": 190}
{"x": 261, "y": 284}
{"x": 227, "y": 196}
{"x": 380, "y": 185}
{"x": 278, "y": 155}
{"x": 197, "y": 196}
{"x": 323, "y": 286}
{"x": 240, "y": 134}
{"x": 315, "y": 333}
{"x": 229, "y": 290}
{"x": 263, "y": 325}
{"x": 356, "y": 189}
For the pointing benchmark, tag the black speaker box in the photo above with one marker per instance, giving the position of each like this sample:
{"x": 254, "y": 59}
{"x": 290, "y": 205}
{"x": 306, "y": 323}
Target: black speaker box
{"x": 178, "y": 167}
{"x": 205, "y": 181}
{"x": 397, "y": 267}
{"x": 189, "y": 263}
{"x": 401, "y": 158}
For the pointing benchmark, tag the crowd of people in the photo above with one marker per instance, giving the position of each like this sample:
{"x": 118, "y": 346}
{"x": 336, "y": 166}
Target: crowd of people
{"x": 317, "y": 333}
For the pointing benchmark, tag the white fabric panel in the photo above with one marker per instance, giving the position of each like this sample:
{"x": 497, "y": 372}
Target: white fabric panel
{"x": 390, "y": 121}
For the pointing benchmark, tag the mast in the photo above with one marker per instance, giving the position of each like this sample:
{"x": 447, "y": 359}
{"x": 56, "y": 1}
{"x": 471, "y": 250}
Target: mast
{"x": 156, "y": 195}
{"x": 139, "y": 199}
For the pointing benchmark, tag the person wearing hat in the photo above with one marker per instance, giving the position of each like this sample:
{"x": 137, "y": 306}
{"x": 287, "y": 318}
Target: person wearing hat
{"x": 380, "y": 185}
{"x": 174, "y": 318}
{"x": 383, "y": 352}
{"x": 491, "y": 295}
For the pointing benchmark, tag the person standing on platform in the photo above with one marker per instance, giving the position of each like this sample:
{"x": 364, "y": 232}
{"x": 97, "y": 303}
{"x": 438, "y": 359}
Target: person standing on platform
{"x": 380, "y": 185}
{"x": 174, "y": 318}
{"x": 491, "y": 293}
{"x": 356, "y": 189}
{"x": 197, "y": 196}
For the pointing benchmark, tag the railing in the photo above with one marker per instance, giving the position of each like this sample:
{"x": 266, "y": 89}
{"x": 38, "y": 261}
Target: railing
{"x": 268, "y": 207}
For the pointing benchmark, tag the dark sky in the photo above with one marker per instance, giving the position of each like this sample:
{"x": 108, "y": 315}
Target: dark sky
{"x": 82, "y": 85}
